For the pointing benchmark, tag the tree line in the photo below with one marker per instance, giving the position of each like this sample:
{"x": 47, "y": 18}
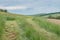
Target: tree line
{"x": 52, "y": 17}
{"x": 2, "y": 10}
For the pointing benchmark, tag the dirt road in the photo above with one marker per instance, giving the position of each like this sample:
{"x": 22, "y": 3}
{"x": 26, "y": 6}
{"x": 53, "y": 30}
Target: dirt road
{"x": 10, "y": 30}
{"x": 54, "y": 21}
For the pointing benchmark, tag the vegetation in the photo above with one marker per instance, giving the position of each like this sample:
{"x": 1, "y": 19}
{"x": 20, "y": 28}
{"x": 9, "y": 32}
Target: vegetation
{"x": 48, "y": 14}
{"x": 10, "y": 18}
{"x": 27, "y": 28}
{"x": 1, "y": 10}
{"x": 2, "y": 24}
{"x": 52, "y": 17}
{"x": 48, "y": 26}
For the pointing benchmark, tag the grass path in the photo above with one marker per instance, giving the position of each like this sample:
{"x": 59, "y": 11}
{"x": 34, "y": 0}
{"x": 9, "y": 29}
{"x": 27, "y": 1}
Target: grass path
{"x": 10, "y": 31}
{"x": 48, "y": 35}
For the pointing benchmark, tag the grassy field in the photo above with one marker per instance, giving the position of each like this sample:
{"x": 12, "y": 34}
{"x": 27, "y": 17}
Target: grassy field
{"x": 20, "y": 27}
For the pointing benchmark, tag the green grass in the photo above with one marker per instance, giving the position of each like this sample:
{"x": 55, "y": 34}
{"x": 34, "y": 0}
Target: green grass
{"x": 10, "y": 18}
{"x": 28, "y": 32}
{"x": 2, "y": 22}
{"x": 47, "y": 25}
{"x": 25, "y": 30}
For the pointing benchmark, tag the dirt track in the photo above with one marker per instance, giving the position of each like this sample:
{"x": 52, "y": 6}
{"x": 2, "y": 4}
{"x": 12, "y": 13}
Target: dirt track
{"x": 10, "y": 30}
{"x": 54, "y": 21}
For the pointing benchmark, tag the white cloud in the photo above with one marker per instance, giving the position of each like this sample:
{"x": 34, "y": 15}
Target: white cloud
{"x": 13, "y": 7}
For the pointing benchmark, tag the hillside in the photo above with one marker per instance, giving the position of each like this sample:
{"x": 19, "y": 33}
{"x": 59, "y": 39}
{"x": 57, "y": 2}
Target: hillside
{"x": 47, "y": 14}
{"x": 21, "y": 27}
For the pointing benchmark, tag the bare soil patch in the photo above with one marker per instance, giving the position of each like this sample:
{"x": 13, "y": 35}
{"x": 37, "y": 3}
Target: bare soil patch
{"x": 54, "y": 21}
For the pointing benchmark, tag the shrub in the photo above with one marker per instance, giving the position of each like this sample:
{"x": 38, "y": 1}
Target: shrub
{"x": 5, "y": 10}
{"x": 10, "y": 18}
{"x": 58, "y": 17}
{"x": 52, "y": 17}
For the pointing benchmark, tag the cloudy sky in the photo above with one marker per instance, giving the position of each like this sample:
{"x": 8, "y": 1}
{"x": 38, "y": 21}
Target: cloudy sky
{"x": 30, "y": 6}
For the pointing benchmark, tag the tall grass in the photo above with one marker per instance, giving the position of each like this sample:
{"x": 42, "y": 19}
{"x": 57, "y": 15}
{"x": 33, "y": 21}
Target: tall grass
{"x": 26, "y": 30}
{"x": 28, "y": 33}
{"x": 47, "y": 25}
{"x": 2, "y": 22}
{"x": 10, "y": 18}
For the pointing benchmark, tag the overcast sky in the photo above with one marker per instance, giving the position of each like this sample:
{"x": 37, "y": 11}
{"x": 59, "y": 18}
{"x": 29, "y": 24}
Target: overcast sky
{"x": 30, "y": 6}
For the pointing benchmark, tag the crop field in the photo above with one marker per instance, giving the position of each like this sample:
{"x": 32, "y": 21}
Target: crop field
{"x": 22, "y": 27}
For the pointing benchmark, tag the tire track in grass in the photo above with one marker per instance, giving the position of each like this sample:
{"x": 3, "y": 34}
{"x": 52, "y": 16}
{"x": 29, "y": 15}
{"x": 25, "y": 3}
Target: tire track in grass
{"x": 46, "y": 34}
{"x": 10, "y": 31}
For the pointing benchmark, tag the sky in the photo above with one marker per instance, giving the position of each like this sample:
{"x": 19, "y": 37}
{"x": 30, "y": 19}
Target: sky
{"x": 29, "y": 7}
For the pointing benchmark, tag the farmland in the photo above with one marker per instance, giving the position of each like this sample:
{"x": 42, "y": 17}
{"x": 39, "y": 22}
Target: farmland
{"x": 22, "y": 27}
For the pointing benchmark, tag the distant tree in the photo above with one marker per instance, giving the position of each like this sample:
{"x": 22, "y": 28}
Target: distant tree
{"x": 1, "y": 10}
{"x": 5, "y": 10}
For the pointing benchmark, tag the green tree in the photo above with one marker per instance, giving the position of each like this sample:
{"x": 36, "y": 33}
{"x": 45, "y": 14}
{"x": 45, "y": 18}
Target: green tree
{"x": 5, "y": 10}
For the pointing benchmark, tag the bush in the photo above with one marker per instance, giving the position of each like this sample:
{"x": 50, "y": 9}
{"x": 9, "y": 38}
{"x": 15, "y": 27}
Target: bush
{"x": 5, "y": 10}
{"x": 10, "y": 18}
{"x": 51, "y": 17}
{"x": 58, "y": 17}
